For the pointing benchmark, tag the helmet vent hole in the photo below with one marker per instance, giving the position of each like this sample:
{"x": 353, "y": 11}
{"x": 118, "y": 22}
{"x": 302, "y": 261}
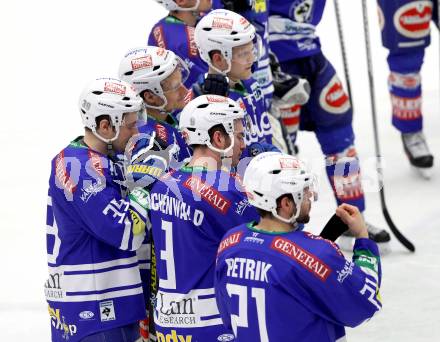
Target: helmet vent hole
{"x": 161, "y": 73}
{"x": 236, "y": 39}
{"x": 128, "y": 73}
{"x": 275, "y": 172}
{"x": 258, "y": 193}
{"x": 233, "y": 33}
{"x": 207, "y": 29}
{"x": 97, "y": 92}
{"x": 83, "y": 111}
{"x": 126, "y": 98}
{"x": 156, "y": 67}
{"x": 128, "y": 106}
{"x": 204, "y": 105}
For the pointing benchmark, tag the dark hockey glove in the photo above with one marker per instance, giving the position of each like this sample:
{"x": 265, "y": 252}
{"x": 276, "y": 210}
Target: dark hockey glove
{"x": 238, "y": 5}
{"x": 257, "y": 148}
{"x": 215, "y": 84}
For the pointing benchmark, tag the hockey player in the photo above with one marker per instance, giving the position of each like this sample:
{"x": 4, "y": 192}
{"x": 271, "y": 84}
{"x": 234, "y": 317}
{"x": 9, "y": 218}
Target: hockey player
{"x": 189, "y": 221}
{"x": 228, "y": 44}
{"x": 281, "y": 91}
{"x": 95, "y": 224}
{"x": 405, "y": 26}
{"x": 175, "y": 32}
{"x": 158, "y": 76}
{"x": 275, "y": 283}
{"x": 328, "y": 113}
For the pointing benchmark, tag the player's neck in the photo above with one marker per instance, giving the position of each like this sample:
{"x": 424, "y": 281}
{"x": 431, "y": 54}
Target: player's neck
{"x": 274, "y": 225}
{"x": 204, "y": 157}
{"x": 188, "y": 17}
{"x": 94, "y": 143}
{"x": 157, "y": 114}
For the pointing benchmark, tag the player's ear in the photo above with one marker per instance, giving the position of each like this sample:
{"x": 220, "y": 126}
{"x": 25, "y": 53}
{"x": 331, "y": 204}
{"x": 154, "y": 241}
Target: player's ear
{"x": 218, "y": 60}
{"x": 152, "y": 99}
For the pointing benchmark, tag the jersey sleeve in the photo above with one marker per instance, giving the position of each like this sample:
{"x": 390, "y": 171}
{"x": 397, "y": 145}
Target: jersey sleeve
{"x": 110, "y": 217}
{"x": 339, "y": 290}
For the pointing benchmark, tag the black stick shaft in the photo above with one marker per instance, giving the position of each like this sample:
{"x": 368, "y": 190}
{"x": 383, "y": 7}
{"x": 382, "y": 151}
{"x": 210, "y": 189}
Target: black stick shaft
{"x": 402, "y": 239}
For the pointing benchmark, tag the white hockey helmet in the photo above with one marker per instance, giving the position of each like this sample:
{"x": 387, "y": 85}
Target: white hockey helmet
{"x": 270, "y": 175}
{"x": 145, "y": 69}
{"x": 108, "y": 96}
{"x": 205, "y": 112}
{"x": 171, "y": 5}
{"x": 222, "y": 30}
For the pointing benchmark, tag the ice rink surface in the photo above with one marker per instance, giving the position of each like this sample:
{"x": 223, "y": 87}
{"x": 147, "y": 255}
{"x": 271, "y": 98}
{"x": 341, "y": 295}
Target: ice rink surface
{"x": 50, "y": 49}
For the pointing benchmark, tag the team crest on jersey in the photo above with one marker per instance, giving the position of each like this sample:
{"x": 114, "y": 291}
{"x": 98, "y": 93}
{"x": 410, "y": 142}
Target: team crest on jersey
{"x": 301, "y": 10}
{"x": 333, "y": 98}
{"x": 143, "y": 62}
{"x": 413, "y": 19}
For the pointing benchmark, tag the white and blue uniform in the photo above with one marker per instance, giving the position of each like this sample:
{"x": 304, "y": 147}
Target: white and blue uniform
{"x": 93, "y": 231}
{"x": 328, "y": 113}
{"x": 294, "y": 286}
{"x": 405, "y": 26}
{"x": 191, "y": 209}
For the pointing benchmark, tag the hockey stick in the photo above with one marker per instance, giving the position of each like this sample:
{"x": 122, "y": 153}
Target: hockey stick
{"x": 402, "y": 239}
{"x": 334, "y": 228}
{"x": 343, "y": 51}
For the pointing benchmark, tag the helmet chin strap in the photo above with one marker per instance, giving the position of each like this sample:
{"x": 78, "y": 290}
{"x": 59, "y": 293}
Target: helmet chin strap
{"x": 109, "y": 142}
{"x": 190, "y": 9}
{"x": 161, "y": 107}
{"x": 294, "y": 217}
{"x": 224, "y": 153}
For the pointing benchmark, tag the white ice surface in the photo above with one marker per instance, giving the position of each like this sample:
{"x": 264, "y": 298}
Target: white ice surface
{"x": 50, "y": 49}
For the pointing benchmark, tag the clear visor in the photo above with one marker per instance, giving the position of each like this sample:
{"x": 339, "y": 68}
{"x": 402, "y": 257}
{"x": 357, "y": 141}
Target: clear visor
{"x": 248, "y": 53}
{"x": 311, "y": 186}
{"x": 141, "y": 120}
{"x": 177, "y": 78}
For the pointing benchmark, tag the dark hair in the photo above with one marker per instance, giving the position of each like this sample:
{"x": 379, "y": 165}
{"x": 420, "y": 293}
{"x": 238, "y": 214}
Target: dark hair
{"x": 216, "y": 128}
{"x": 265, "y": 213}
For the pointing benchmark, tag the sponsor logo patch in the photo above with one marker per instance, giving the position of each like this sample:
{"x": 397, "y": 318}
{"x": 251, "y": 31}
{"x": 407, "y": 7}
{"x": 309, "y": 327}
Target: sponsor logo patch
{"x": 216, "y": 99}
{"x": 222, "y": 23}
{"x": 107, "y": 311}
{"x": 158, "y": 36}
{"x": 114, "y": 88}
{"x": 192, "y": 47}
{"x": 143, "y": 62}
{"x": 229, "y": 241}
{"x": 306, "y": 259}
{"x": 289, "y": 163}
{"x": 214, "y": 198}
{"x": 62, "y": 175}
{"x": 86, "y": 315}
{"x": 413, "y": 19}
{"x": 161, "y": 132}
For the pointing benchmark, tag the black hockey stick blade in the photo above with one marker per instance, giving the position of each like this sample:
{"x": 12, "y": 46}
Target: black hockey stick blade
{"x": 399, "y": 236}
{"x": 334, "y": 228}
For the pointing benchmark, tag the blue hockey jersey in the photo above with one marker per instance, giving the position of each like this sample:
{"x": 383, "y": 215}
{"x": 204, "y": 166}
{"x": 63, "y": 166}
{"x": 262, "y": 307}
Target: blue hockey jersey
{"x": 173, "y": 34}
{"x": 93, "y": 230}
{"x": 294, "y": 286}
{"x": 249, "y": 96}
{"x": 292, "y": 26}
{"x": 259, "y": 17}
{"x": 191, "y": 209}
